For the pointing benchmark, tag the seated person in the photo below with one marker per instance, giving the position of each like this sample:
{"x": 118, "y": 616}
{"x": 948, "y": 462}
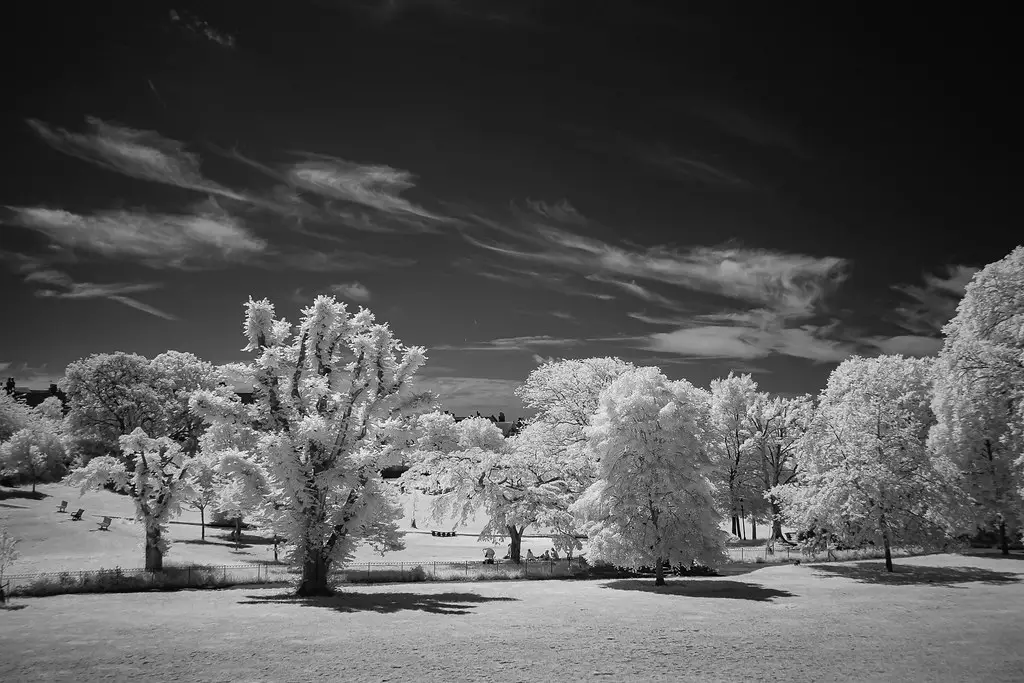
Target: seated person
{"x": 529, "y": 555}
{"x": 546, "y": 555}
{"x": 489, "y": 556}
{"x": 554, "y": 554}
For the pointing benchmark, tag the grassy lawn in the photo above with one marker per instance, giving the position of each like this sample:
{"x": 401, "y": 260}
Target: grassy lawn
{"x": 940, "y": 618}
{"x": 52, "y": 542}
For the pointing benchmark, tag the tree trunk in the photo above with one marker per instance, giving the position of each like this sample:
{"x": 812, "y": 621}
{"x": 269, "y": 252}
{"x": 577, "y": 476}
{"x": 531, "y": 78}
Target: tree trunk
{"x": 238, "y": 532}
{"x": 315, "y": 572}
{"x": 1003, "y": 540}
{"x": 202, "y": 523}
{"x": 34, "y": 488}
{"x": 659, "y": 573}
{"x": 888, "y": 551}
{"x": 776, "y": 520}
{"x": 515, "y": 535}
{"x": 154, "y": 558}
{"x": 753, "y": 529}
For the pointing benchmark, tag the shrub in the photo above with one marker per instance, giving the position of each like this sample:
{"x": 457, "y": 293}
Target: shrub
{"x": 117, "y": 580}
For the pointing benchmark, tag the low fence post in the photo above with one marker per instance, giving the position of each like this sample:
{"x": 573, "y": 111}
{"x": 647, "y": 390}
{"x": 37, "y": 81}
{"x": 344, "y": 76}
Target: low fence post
{"x": 467, "y": 569}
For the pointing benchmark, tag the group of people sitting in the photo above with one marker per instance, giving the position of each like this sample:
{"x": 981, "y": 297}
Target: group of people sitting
{"x": 551, "y": 554}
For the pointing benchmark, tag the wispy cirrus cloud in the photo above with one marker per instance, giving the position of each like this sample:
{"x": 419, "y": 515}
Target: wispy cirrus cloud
{"x": 378, "y": 187}
{"x": 773, "y": 293}
{"x": 525, "y": 343}
{"x": 56, "y": 284}
{"x": 933, "y": 304}
{"x": 340, "y": 260}
{"x": 791, "y": 284}
{"x": 198, "y": 28}
{"x": 749, "y": 342}
{"x": 740, "y": 123}
{"x": 561, "y": 211}
{"x": 160, "y": 240}
{"x": 142, "y": 154}
{"x": 466, "y": 395}
{"x": 690, "y": 166}
{"x": 351, "y": 291}
{"x": 636, "y": 290}
{"x": 925, "y": 311}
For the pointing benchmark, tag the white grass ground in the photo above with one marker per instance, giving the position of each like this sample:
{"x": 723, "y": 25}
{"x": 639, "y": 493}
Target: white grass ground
{"x": 843, "y": 622}
{"x": 51, "y": 542}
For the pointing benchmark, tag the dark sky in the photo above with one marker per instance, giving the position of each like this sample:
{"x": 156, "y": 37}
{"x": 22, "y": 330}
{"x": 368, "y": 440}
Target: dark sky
{"x": 759, "y": 187}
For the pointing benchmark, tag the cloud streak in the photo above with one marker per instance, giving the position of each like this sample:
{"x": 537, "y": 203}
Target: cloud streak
{"x": 59, "y": 285}
{"x": 525, "y": 343}
{"x": 141, "y": 154}
{"x": 159, "y": 240}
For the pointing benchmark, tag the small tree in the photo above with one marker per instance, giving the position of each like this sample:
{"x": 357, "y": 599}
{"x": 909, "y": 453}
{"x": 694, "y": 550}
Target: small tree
{"x": 869, "y": 476}
{"x": 205, "y": 486}
{"x": 157, "y": 485}
{"x": 35, "y": 453}
{"x": 653, "y": 500}
{"x": 8, "y": 554}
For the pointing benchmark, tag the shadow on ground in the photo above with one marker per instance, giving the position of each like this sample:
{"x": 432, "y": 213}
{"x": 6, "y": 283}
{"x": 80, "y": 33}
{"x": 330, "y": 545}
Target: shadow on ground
{"x": 736, "y": 590}
{"x": 18, "y": 493}
{"x": 909, "y": 574}
{"x": 12, "y": 608}
{"x": 384, "y": 603}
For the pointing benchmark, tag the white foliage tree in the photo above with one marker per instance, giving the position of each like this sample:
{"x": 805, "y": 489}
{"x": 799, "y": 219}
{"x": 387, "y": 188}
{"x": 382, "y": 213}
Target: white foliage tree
{"x": 653, "y": 500}
{"x": 868, "y": 476}
{"x": 14, "y": 415}
{"x": 205, "y": 484}
{"x": 328, "y": 401}
{"x": 36, "y": 452}
{"x": 979, "y": 394}
{"x": 516, "y": 482}
{"x": 731, "y": 446}
{"x": 157, "y": 483}
{"x": 529, "y": 479}
{"x": 777, "y": 428}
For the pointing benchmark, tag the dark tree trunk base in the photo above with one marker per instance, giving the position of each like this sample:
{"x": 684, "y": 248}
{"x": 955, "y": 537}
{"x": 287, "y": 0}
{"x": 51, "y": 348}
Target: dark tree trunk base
{"x": 315, "y": 575}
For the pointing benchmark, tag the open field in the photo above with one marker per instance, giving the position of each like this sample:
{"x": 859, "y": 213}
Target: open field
{"x": 52, "y": 542}
{"x": 940, "y": 618}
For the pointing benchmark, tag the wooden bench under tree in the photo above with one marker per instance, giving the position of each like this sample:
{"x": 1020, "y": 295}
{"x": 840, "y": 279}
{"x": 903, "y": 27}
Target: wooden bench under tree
{"x": 77, "y": 516}
{"x": 105, "y": 524}
{"x": 63, "y": 506}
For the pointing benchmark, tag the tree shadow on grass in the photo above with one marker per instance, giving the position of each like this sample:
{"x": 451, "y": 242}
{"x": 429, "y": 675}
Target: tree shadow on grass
{"x": 910, "y": 574}
{"x": 18, "y": 493}
{"x": 12, "y": 608}
{"x": 9, "y": 505}
{"x": 384, "y": 603}
{"x": 736, "y": 590}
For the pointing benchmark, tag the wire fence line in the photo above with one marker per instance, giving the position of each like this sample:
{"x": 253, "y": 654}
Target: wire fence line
{"x": 353, "y": 572}
{"x": 204, "y": 575}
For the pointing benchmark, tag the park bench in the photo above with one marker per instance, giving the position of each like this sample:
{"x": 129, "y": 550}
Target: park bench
{"x": 77, "y": 516}
{"x": 63, "y": 506}
{"x": 105, "y": 524}
{"x": 443, "y": 534}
